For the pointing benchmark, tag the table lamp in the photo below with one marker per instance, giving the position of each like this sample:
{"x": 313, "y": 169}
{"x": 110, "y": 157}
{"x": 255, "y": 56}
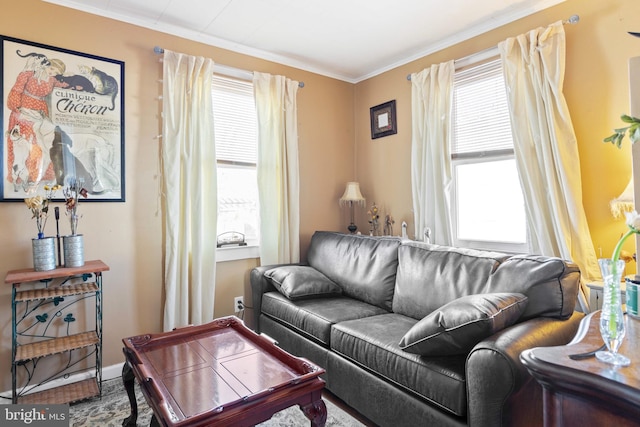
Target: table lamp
{"x": 352, "y": 195}
{"x": 624, "y": 202}
{"x": 619, "y": 206}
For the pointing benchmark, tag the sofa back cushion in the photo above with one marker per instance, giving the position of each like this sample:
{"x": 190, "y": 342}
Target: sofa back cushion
{"x": 365, "y": 267}
{"x": 550, "y": 283}
{"x": 430, "y": 276}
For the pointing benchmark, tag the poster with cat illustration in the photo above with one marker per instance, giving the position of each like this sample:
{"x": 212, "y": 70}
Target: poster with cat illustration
{"x": 62, "y": 121}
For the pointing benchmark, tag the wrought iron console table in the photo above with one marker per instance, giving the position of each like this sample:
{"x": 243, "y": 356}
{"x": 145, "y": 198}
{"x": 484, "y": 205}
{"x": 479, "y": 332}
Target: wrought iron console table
{"x": 54, "y": 335}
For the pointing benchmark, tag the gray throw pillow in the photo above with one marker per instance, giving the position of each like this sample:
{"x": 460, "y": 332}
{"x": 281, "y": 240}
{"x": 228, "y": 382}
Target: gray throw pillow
{"x": 299, "y": 281}
{"x": 458, "y": 326}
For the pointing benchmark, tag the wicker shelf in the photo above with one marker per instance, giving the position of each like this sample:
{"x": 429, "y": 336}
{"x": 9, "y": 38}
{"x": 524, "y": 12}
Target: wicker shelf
{"x": 65, "y": 394}
{"x": 55, "y": 345}
{"x": 58, "y": 291}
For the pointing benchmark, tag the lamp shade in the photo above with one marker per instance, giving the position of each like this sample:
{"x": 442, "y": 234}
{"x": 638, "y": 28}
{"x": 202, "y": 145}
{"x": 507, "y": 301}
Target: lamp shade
{"x": 352, "y": 194}
{"x": 624, "y": 202}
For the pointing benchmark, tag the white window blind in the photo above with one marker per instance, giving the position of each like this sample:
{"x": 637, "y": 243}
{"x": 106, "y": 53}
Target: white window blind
{"x": 483, "y": 161}
{"x": 480, "y": 112}
{"x": 236, "y": 124}
{"x": 236, "y": 135}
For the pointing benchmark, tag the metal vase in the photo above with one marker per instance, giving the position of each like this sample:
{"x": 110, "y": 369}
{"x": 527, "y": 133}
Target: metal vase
{"x": 44, "y": 253}
{"x": 73, "y": 250}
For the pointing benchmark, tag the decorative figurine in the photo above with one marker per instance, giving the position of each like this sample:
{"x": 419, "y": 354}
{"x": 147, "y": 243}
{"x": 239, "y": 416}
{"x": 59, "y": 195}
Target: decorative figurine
{"x": 388, "y": 225}
{"x": 373, "y": 214}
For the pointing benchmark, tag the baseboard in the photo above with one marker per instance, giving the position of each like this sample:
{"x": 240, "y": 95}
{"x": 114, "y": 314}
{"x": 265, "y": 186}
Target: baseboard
{"x": 108, "y": 373}
{"x": 113, "y": 371}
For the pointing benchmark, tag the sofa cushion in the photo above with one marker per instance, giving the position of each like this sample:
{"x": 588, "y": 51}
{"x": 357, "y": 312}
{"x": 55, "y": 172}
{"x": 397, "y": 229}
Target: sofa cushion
{"x": 300, "y": 281}
{"x": 550, "y": 283}
{"x": 364, "y": 266}
{"x": 430, "y": 276}
{"x": 458, "y": 326}
{"x": 373, "y": 344}
{"x": 313, "y": 318}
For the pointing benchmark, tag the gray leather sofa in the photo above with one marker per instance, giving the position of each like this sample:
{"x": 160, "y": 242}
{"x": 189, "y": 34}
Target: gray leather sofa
{"x": 412, "y": 334}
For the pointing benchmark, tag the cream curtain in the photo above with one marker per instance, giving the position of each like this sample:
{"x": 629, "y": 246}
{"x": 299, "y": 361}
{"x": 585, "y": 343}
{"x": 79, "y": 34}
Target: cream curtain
{"x": 278, "y": 179}
{"x": 545, "y": 147}
{"x": 189, "y": 180}
{"x": 431, "y": 97}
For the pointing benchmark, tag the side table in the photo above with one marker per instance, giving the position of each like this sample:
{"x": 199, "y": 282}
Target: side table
{"x": 44, "y": 306}
{"x": 596, "y": 294}
{"x": 588, "y": 392}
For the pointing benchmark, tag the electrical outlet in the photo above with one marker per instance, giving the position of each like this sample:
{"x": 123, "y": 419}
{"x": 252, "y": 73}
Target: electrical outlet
{"x": 238, "y": 304}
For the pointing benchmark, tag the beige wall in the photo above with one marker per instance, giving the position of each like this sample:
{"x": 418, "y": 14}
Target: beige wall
{"x": 596, "y": 90}
{"x": 335, "y": 147}
{"x": 129, "y": 236}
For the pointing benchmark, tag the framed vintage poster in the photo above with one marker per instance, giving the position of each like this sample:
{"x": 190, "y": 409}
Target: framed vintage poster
{"x": 383, "y": 120}
{"x": 62, "y": 121}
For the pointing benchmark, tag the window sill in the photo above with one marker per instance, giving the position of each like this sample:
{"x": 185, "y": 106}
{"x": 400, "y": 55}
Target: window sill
{"x": 233, "y": 253}
{"x": 504, "y": 247}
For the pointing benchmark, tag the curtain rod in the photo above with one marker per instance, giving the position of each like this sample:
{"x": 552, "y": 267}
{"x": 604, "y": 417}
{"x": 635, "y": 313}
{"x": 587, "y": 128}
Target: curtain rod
{"x": 226, "y": 70}
{"x": 492, "y": 51}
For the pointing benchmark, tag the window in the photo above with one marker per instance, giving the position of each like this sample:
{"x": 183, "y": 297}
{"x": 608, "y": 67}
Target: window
{"x": 236, "y": 133}
{"x": 487, "y": 202}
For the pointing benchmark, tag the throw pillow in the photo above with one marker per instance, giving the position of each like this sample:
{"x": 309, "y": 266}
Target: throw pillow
{"x": 299, "y": 281}
{"x": 458, "y": 326}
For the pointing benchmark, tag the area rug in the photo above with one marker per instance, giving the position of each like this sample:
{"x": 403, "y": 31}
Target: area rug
{"x": 113, "y": 407}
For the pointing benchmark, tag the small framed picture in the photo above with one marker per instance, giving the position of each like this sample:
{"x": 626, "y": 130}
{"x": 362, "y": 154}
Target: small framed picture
{"x": 383, "y": 120}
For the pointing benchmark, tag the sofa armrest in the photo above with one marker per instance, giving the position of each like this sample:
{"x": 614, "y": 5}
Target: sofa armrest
{"x": 260, "y": 285}
{"x": 500, "y": 390}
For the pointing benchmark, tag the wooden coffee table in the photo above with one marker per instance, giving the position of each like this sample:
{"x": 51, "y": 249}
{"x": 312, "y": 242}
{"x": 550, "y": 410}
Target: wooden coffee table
{"x": 221, "y": 374}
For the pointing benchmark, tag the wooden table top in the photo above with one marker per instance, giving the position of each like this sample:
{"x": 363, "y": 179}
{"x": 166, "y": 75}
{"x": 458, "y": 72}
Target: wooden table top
{"x": 553, "y": 367}
{"x": 202, "y": 371}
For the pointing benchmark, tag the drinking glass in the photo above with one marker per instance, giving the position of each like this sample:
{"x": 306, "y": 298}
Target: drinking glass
{"x": 612, "y": 320}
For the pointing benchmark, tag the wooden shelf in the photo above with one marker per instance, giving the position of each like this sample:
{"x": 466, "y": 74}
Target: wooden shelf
{"x": 30, "y": 275}
{"x": 65, "y": 394}
{"x": 56, "y": 345}
{"x": 58, "y": 291}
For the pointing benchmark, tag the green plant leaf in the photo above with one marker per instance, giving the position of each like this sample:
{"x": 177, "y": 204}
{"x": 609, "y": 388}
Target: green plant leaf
{"x": 633, "y": 130}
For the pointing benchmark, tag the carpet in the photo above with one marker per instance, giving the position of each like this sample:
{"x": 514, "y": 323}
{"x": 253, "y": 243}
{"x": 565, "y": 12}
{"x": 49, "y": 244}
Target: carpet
{"x": 114, "y": 407}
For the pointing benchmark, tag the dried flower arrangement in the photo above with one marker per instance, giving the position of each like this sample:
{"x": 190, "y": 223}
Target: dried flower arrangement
{"x": 39, "y": 207}
{"x": 72, "y": 193}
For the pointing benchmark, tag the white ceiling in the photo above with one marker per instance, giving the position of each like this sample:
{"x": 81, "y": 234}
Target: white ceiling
{"x": 350, "y": 40}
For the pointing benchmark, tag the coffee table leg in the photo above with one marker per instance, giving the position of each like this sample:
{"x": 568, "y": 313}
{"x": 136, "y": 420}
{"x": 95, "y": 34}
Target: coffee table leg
{"x": 128, "y": 380}
{"x": 316, "y": 412}
{"x": 154, "y": 421}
